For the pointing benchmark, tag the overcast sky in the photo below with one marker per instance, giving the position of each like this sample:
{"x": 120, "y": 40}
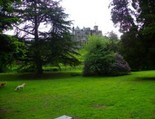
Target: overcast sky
{"x": 87, "y": 13}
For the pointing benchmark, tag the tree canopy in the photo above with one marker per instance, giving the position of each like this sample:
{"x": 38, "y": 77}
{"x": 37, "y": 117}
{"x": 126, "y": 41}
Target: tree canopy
{"x": 6, "y": 16}
{"x": 44, "y": 27}
{"x": 10, "y": 47}
{"x": 136, "y": 20}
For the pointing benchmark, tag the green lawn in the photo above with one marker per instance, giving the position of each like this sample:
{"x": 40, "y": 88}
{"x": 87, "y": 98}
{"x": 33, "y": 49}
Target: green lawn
{"x": 53, "y": 95}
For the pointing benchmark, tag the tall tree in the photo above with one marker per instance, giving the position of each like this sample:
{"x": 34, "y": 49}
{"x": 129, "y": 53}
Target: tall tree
{"x": 122, "y": 15}
{"x": 112, "y": 35}
{"x": 11, "y": 49}
{"x": 114, "y": 45}
{"x": 9, "y": 45}
{"x": 138, "y": 17}
{"x": 44, "y": 27}
{"x": 6, "y": 17}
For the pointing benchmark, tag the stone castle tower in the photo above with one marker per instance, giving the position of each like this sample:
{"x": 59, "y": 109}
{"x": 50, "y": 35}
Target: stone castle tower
{"x": 81, "y": 35}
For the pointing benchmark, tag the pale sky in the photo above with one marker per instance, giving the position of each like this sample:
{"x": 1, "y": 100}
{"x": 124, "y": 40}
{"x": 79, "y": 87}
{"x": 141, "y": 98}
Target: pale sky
{"x": 87, "y": 13}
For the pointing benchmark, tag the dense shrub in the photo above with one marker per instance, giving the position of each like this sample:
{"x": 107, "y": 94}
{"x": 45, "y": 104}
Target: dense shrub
{"x": 26, "y": 68}
{"x": 11, "y": 49}
{"x": 102, "y": 60}
{"x": 120, "y": 66}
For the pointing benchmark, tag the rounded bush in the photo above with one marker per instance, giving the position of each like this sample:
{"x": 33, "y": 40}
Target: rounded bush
{"x": 120, "y": 66}
{"x": 112, "y": 64}
{"x": 103, "y": 61}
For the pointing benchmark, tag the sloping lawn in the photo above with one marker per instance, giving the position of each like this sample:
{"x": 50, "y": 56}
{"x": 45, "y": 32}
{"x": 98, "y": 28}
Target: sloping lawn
{"x": 53, "y": 95}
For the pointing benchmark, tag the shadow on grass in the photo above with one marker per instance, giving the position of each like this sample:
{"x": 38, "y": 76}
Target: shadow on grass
{"x": 145, "y": 79}
{"x": 3, "y": 113}
{"x": 55, "y": 75}
{"x": 34, "y": 76}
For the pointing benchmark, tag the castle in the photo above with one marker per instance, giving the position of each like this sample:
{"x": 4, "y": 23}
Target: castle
{"x": 81, "y": 35}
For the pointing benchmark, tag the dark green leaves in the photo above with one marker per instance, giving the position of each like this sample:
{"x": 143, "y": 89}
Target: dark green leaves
{"x": 47, "y": 33}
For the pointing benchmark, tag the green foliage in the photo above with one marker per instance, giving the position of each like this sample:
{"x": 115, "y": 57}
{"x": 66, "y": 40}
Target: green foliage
{"x": 122, "y": 14}
{"x": 120, "y": 66}
{"x": 52, "y": 46}
{"x": 11, "y": 49}
{"x": 112, "y": 35}
{"x": 136, "y": 20}
{"x": 7, "y": 17}
{"x": 102, "y": 60}
{"x": 96, "y": 40}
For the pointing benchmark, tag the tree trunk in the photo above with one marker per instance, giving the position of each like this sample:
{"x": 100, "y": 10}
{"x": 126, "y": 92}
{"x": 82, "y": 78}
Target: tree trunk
{"x": 37, "y": 54}
{"x": 39, "y": 69}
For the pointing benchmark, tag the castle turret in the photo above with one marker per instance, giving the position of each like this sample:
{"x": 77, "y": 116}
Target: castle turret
{"x": 96, "y": 28}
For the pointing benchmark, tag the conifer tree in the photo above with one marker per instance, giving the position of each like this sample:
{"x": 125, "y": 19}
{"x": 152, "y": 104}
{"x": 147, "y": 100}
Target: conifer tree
{"x": 9, "y": 45}
{"x": 44, "y": 27}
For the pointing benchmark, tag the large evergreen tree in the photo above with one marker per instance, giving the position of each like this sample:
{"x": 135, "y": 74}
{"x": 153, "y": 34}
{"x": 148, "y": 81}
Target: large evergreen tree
{"x": 136, "y": 19}
{"x": 9, "y": 45}
{"x": 46, "y": 31}
{"x": 6, "y": 17}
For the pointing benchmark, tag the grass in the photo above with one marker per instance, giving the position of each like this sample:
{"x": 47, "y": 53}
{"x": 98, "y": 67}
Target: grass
{"x": 53, "y": 95}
